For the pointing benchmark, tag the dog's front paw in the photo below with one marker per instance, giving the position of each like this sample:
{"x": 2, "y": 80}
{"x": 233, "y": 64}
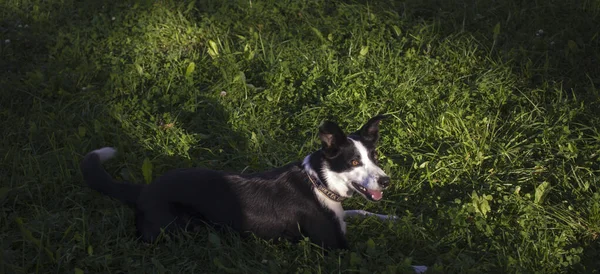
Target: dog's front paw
{"x": 419, "y": 268}
{"x": 393, "y": 217}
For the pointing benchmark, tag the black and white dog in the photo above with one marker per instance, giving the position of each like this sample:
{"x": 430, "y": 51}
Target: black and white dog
{"x": 296, "y": 200}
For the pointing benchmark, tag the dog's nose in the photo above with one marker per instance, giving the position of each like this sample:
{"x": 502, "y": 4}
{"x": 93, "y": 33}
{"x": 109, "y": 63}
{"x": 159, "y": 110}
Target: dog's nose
{"x": 384, "y": 181}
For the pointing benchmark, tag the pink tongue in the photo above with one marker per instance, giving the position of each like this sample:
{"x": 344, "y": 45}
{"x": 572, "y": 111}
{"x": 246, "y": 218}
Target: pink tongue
{"x": 375, "y": 194}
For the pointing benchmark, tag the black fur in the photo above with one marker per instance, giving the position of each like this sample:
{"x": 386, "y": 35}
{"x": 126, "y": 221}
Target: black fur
{"x": 279, "y": 203}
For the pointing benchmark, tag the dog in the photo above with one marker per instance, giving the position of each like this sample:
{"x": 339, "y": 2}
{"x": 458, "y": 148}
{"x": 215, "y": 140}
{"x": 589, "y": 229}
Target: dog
{"x": 300, "y": 199}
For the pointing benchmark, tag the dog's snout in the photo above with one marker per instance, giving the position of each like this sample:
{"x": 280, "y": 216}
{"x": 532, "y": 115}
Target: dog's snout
{"x": 384, "y": 181}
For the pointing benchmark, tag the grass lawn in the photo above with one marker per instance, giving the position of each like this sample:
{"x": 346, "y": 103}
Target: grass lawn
{"x": 493, "y": 144}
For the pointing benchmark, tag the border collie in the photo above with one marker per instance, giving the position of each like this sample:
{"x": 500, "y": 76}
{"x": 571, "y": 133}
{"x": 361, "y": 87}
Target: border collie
{"x": 296, "y": 200}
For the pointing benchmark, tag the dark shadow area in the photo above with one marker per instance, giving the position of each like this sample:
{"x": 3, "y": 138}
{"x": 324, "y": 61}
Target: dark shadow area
{"x": 57, "y": 103}
{"x": 539, "y": 34}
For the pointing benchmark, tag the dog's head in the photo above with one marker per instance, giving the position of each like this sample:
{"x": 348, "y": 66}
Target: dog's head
{"x": 348, "y": 163}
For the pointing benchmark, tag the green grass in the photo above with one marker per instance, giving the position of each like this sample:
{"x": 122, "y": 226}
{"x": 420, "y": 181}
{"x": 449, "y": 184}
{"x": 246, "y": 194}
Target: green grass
{"x": 493, "y": 144}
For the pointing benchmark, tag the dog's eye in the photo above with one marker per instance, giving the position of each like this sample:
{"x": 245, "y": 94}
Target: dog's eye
{"x": 355, "y": 162}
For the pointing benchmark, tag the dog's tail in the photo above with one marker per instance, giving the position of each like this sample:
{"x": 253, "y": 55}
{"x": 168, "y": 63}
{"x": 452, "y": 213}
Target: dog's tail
{"x": 98, "y": 179}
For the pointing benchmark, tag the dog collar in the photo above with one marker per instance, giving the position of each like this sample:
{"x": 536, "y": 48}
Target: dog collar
{"x": 330, "y": 194}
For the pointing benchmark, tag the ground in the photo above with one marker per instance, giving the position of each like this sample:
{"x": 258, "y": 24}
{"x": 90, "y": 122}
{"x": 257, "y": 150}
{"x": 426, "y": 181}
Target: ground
{"x": 493, "y": 143}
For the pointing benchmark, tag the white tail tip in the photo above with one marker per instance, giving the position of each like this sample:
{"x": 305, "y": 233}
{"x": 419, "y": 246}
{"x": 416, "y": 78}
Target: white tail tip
{"x": 105, "y": 153}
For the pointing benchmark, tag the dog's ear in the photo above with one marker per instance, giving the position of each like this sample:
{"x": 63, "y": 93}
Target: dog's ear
{"x": 370, "y": 131}
{"x": 332, "y": 137}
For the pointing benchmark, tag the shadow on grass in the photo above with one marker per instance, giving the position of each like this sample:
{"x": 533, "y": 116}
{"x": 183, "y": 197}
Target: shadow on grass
{"x": 543, "y": 41}
{"x": 57, "y": 104}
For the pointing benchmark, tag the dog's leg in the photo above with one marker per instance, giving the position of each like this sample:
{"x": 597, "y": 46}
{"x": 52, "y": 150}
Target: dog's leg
{"x": 324, "y": 232}
{"x": 152, "y": 219}
{"x": 364, "y": 214}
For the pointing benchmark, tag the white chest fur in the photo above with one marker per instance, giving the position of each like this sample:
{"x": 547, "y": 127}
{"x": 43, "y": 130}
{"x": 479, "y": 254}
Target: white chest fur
{"x": 334, "y": 206}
